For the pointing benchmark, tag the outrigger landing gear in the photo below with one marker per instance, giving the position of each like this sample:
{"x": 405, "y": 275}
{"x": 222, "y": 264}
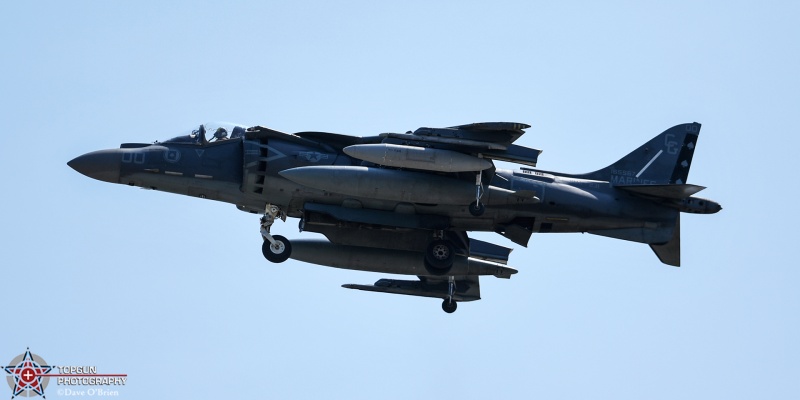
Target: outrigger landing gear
{"x": 449, "y": 305}
{"x": 477, "y": 208}
{"x": 276, "y": 248}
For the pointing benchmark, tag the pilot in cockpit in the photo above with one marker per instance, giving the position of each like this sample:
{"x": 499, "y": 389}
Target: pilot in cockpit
{"x": 220, "y": 134}
{"x": 198, "y": 136}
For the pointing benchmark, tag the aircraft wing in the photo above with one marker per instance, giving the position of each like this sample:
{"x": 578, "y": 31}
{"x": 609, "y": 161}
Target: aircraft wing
{"x": 498, "y": 132}
{"x": 391, "y": 242}
{"x": 491, "y": 140}
{"x": 488, "y": 140}
{"x": 333, "y": 141}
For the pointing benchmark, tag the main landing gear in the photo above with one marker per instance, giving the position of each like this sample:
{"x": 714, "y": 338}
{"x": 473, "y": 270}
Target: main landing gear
{"x": 439, "y": 255}
{"x": 439, "y": 258}
{"x": 276, "y": 248}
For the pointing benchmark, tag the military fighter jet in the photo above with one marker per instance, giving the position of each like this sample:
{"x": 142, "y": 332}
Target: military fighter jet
{"x": 402, "y": 203}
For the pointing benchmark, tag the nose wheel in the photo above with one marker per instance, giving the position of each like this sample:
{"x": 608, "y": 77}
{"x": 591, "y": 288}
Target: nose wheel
{"x": 276, "y": 248}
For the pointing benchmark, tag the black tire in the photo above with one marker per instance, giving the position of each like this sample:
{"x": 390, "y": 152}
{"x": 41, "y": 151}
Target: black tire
{"x": 440, "y": 254}
{"x": 433, "y": 271}
{"x": 476, "y": 209}
{"x": 449, "y": 306}
{"x": 279, "y": 254}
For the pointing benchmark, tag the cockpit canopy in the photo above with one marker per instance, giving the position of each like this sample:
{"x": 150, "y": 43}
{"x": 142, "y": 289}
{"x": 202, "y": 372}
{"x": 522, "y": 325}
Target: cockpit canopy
{"x": 210, "y": 133}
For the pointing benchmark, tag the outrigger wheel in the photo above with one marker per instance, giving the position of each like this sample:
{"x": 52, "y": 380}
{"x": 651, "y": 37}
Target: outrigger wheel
{"x": 476, "y": 208}
{"x": 449, "y": 306}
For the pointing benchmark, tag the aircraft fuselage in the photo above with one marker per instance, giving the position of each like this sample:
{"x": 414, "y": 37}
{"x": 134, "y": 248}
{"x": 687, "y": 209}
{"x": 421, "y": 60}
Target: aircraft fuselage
{"x": 403, "y": 203}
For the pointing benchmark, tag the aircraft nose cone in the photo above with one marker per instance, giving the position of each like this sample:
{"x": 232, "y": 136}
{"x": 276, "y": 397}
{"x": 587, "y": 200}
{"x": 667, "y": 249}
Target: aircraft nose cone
{"x": 102, "y": 165}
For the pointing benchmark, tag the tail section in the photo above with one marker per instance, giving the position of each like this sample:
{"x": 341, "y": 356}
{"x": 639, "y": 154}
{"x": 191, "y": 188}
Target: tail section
{"x": 658, "y": 171}
{"x": 670, "y": 253}
{"x": 664, "y": 160}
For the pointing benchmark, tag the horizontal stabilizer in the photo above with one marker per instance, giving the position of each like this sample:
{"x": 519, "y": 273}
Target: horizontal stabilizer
{"x": 467, "y": 287}
{"x": 674, "y": 192}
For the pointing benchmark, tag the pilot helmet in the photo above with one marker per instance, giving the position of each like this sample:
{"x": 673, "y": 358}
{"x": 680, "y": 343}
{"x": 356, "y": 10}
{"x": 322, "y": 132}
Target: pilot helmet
{"x": 221, "y": 133}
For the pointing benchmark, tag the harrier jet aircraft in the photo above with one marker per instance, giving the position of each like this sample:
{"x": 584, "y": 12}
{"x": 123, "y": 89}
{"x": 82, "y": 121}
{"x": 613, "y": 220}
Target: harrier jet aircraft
{"x": 402, "y": 203}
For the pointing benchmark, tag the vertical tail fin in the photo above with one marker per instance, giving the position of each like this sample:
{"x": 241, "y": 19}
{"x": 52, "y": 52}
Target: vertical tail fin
{"x": 664, "y": 160}
{"x": 658, "y": 169}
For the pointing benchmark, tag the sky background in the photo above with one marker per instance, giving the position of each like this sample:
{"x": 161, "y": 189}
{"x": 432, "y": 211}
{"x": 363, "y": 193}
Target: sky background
{"x": 174, "y": 290}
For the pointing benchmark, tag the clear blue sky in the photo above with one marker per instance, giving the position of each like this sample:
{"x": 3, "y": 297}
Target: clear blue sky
{"x": 174, "y": 291}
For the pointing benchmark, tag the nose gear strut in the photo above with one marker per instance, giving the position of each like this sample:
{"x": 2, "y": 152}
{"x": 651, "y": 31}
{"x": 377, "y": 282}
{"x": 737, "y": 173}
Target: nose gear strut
{"x": 276, "y": 248}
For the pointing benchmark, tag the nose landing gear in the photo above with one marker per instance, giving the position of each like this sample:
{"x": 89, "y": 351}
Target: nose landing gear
{"x": 276, "y": 248}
